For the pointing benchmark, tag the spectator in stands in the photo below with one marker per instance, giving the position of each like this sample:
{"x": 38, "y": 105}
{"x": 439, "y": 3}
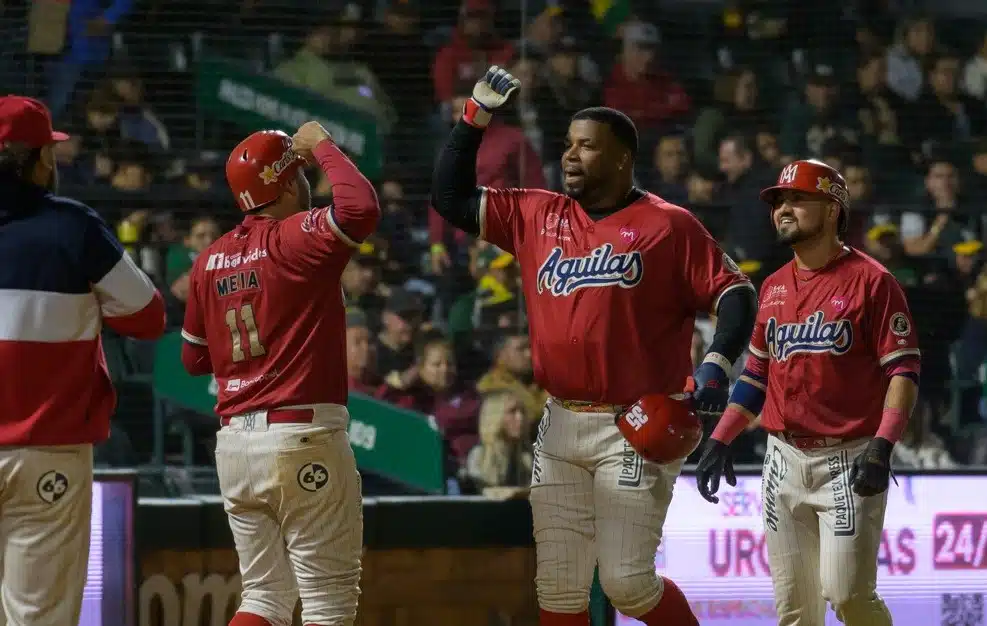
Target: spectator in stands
{"x": 437, "y": 392}
{"x": 735, "y": 108}
{"x": 327, "y": 63}
{"x": 395, "y": 51}
{"x": 362, "y": 285}
{"x": 496, "y": 275}
{"x": 102, "y": 132}
{"x": 971, "y": 349}
{"x": 942, "y": 219}
{"x": 878, "y": 108}
{"x": 975, "y": 72}
{"x": 512, "y": 371}
{"x": 670, "y": 167}
{"x": 808, "y": 123}
{"x": 200, "y": 232}
{"x": 921, "y": 449}
{"x": 531, "y": 99}
{"x": 503, "y": 152}
{"x": 400, "y": 320}
{"x": 474, "y": 47}
{"x": 978, "y": 169}
{"x": 398, "y": 228}
{"x": 74, "y": 166}
{"x": 766, "y": 141}
{"x": 543, "y": 32}
{"x": 88, "y": 30}
{"x": 571, "y": 82}
{"x": 503, "y": 458}
{"x": 908, "y": 58}
{"x": 132, "y": 167}
{"x": 361, "y": 356}
{"x": 137, "y": 119}
{"x": 750, "y": 235}
{"x": 942, "y": 113}
{"x": 639, "y": 87}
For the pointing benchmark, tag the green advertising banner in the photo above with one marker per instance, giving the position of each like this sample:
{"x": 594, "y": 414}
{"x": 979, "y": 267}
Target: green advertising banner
{"x": 388, "y": 441}
{"x": 225, "y": 90}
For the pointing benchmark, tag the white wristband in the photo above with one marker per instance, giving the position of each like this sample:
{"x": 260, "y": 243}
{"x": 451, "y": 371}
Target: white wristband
{"x": 718, "y": 359}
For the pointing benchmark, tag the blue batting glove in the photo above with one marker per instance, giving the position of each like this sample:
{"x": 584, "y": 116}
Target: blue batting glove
{"x": 712, "y": 391}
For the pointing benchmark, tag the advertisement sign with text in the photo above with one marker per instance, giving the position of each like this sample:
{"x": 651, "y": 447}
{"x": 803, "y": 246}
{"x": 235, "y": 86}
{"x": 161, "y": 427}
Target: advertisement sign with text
{"x": 932, "y": 562}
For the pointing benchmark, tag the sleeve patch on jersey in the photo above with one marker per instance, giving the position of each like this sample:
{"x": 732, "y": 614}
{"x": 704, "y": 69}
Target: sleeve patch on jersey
{"x": 730, "y": 264}
{"x": 900, "y": 326}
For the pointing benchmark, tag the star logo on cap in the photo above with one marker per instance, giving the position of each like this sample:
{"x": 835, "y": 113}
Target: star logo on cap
{"x": 268, "y": 175}
{"x": 825, "y": 185}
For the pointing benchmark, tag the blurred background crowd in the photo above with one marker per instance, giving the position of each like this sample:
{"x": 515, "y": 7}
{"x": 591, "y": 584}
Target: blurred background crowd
{"x": 724, "y": 93}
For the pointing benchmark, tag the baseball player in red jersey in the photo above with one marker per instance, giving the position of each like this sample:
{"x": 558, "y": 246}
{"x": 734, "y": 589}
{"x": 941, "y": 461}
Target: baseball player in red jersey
{"x": 833, "y": 373}
{"x": 63, "y": 277}
{"x": 612, "y": 277}
{"x": 265, "y": 315}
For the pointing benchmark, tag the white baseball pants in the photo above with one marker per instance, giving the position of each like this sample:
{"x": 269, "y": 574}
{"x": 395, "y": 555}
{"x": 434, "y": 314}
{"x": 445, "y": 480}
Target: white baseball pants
{"x": 46, "y": 496}
{"x": 292, "y": 495}
{"x": 822, "y": 538}
{"x": 594, "y": 500}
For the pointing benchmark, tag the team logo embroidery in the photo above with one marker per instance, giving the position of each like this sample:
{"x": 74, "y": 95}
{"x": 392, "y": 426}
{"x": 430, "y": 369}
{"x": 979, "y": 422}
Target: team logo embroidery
{"x": 270, "y": 173}
{"x": 814, "y": 336}
{"x": 788, "y": 174}
{"x": 838, "y": 304}
{"x": 313, "y": 477}
{"x": 52, "y": 486}
{"x": 834, "y": 189}
{"x": 561, "y": 276}
{"x": 900, "y": 325}
{"x": 628, "y": 234}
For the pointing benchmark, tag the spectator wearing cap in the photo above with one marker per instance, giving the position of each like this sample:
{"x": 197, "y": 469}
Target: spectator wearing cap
{"x": 735, "y": 108}
{"x": 512, "y": 371}
{"x": 132, "y": 167}
{"x": 809, "y": 123}
{"x": 361, "y": 355}
{"x": 637, "y": 86}
{"x": 361, "y": 281}
{"x": 570, "y": 82}
{"x": 971, "y": 349}
{"x": 400, "y": 321}
{"x": 916, "y": 42}
{"x": 474, "y": 47}
{"x": 496, "y": 284}
{"x": 942, "y": 113}
{"x": 437, "y": 391}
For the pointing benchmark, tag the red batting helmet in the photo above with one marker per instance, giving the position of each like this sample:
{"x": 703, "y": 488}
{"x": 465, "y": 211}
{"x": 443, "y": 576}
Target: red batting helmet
{"x": 260, "y": 167}
{"x": 661, "y": 428}
{"x": 812, "y": 176}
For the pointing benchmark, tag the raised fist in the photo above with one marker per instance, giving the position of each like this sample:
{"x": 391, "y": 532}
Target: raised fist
{"x": 490, "y": 93}
{"x": 309, "y": 135}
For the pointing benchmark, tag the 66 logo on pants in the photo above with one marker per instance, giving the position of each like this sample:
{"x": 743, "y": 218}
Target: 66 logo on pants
{"x": 313, "y": 476}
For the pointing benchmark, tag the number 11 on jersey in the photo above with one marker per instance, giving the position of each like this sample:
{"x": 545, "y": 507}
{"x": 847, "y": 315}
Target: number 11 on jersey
{"x": 246, "y": 315}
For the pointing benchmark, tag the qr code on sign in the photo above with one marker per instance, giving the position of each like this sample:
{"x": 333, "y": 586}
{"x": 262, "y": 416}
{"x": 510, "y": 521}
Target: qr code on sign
{"x": 962, "y": 609}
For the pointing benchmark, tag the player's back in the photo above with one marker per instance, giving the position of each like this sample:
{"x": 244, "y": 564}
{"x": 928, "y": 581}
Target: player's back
{"x": 273, "y": 315}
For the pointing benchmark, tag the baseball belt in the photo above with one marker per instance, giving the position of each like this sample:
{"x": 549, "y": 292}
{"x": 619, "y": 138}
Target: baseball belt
{"x": 282, "y": 416}
{"x": 580, "y": 406}
{"x": 809, "y": 442}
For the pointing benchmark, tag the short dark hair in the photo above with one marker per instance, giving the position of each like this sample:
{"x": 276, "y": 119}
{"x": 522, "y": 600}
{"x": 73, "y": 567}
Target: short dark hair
{"x": 741, "y": 141}
{"x": 18, "y": 160}
{"x": 620, "y": 125}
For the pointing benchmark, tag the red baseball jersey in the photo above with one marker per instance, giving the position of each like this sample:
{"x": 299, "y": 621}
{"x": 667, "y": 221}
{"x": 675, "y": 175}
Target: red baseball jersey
{"x": 827, "y": 337}
{"x": 266, "y": 300}
{"x": 611, "y": 303}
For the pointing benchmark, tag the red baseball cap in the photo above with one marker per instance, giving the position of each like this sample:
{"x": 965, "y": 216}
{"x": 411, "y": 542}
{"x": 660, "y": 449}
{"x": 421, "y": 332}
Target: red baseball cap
{"x": 27, "y": 121}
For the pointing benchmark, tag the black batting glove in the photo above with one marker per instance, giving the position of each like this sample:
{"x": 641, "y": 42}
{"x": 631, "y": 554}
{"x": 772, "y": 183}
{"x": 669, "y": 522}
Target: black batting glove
{"x": 715, "y": 462}
{"x": 871, "y": 474}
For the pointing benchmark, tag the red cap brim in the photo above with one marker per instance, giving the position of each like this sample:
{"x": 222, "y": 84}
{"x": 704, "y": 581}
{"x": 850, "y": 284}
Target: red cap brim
{"x": 59, "y": 136}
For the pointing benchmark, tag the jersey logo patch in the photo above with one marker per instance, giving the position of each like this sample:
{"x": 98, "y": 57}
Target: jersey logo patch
{"x": 561, "y": 276}
{"x": 900, "y": 325}
{"x": 814, "y": 336}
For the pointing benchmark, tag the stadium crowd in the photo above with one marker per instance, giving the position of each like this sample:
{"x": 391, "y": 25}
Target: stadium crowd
{"x": 723, "y": 99}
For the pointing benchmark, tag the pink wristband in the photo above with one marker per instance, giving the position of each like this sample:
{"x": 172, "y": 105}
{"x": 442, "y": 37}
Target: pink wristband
{"x": 893, "y": 424}
{"x": 731, "y": 424}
